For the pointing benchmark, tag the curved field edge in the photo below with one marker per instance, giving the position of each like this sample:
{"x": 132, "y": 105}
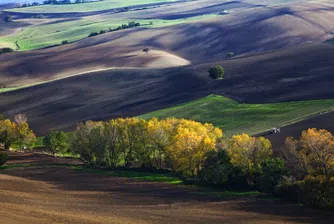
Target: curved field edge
{"x": 14, "y": 88}
{"x": 235, "y": 118}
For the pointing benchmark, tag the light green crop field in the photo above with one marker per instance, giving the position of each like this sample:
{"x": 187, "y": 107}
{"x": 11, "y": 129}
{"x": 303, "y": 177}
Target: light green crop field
{"x": 86, "y": 7}
{"x": 236, "y": 118}
{"x": 45, "y": 35}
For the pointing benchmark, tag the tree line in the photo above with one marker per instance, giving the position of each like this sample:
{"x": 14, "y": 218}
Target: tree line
{"x": 302, "y": 172}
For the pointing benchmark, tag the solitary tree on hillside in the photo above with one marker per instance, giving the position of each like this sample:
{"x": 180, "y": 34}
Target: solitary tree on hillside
{"x": 8, "y": 19}
{"x": 230, "y": 55}
{"x": 216, "y": 72}
{"x": 146, "y": 50}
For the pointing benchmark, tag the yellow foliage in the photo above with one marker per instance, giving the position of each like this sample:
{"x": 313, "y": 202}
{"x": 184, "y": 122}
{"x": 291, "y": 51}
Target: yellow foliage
{"x": 190, "y": 143}
{"x": 249, "y": 152}
{"x": 16, "y": 132}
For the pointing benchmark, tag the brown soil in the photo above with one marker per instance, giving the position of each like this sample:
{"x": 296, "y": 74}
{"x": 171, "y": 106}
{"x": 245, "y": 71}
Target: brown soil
{"x": 300, "y": 73}
{"x": 247, "y": 29}
{"x": 63, "y": 195}
{"x": 325, "y": 121}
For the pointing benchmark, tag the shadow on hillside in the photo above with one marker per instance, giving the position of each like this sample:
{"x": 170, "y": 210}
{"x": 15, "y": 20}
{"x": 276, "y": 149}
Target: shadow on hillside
{"x": 296, "y": 212}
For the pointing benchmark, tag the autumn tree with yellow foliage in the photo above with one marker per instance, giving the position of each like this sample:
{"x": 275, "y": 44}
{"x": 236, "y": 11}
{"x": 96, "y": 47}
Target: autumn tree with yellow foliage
{"x": 190, "y": 144}
{"x": 312, "y": 154}
{"x": 249, "y": 152}
{"x": 17, "y": 132}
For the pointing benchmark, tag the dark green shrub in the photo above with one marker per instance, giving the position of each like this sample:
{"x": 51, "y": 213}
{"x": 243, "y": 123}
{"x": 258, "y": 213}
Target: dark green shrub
{"x": 131, "y": 24}
{"x": 125, "y": 26}
{"x": 93, "y": 34}
{"x": 8, "y": 19}
{"x": 216, "y": 72}
{"x": 217, "y": 168}
{"x": 6, "y": 50}
{"x": 218, "y": 171}
{"x": 230, "y": 55}
{"x": 313, "y": 192}
{"x": 318, "y": 193}
{"x": 64, "y": 42}
{"x": 273, "y": 170}
{"x": 3, "y": 158}
{"x": 103, "y": 31}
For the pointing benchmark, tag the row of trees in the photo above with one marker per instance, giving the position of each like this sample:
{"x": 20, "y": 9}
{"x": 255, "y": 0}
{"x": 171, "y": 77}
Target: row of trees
{"x": 175, "y": 144}
{"x": 302, "y": 172}
{"x": 121, "y": 27}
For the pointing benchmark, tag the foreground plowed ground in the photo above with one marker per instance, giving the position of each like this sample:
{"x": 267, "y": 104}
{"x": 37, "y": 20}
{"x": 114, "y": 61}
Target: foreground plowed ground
{"x": 60, "y": 194}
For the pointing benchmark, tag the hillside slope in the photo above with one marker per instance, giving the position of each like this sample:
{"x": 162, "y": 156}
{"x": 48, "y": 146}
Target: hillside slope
{"x": 300, "y": 73}
{"x": 244, "y": 30}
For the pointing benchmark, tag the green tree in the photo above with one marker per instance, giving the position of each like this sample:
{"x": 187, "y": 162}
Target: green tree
{"x": 92, "y": 34}
{"x": 273, "y": 170}
{"x": 217, "y": 169}
{"x": 56, "y": 141}
{"x": 3, "y": 158}
{"x": 216, "y": 72}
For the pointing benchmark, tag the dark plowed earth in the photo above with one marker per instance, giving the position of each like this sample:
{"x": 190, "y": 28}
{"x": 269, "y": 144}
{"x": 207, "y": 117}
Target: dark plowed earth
{"x": 246, "y": 29}
{"x": 325, "y": 121}
{"x": 300, "y": 73}
{"x": 63, "y": 195}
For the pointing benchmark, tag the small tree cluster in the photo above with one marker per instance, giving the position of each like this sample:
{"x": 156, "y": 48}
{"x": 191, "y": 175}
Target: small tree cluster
{"x": 312, "y": 154}
{"x": 243, "y": 162}
{"x": 16, "y": 132}
{"x": 310, "y": 160}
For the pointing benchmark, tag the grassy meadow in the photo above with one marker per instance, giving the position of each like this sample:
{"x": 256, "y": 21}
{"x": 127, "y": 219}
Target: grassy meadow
{"x": 86, "y": 7}
{"x": 46, "y": 35}
{"x": 234, "y": 117}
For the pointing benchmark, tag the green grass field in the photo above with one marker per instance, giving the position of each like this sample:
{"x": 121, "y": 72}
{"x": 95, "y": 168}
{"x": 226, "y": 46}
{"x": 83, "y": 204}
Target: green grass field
{"x": 86, "y": 7}
{"x": 234, "y": 117}
{"x": 45, "y": 35}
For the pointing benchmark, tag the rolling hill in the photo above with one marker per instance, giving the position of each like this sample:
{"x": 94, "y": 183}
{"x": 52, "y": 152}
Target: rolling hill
{"x": 301, "y": 73}
{"x": 245, "y": 30}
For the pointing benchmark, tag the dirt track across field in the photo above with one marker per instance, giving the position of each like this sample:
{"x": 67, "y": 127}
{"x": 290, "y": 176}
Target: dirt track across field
{"x": 63, "y": 195}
